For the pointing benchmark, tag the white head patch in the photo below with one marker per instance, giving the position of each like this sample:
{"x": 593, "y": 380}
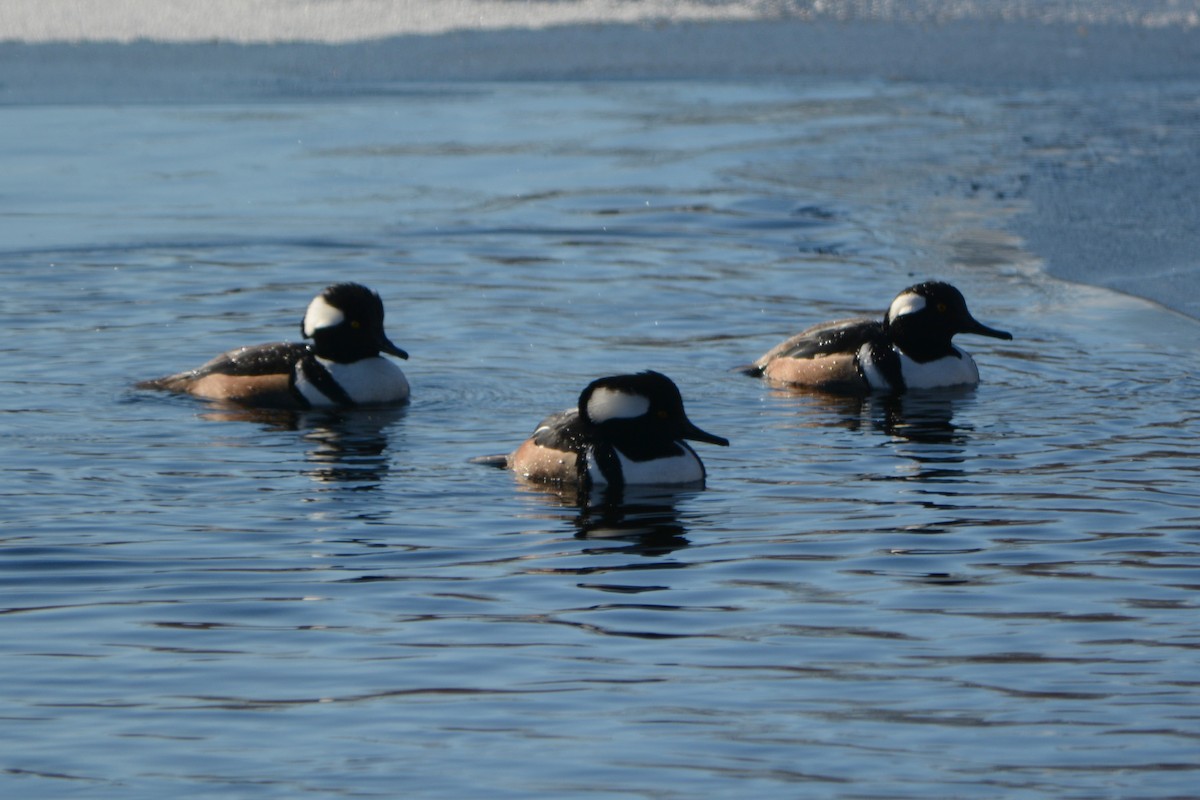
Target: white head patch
{"x": 321, "y": 314}
{"x": 907, "y": 303}
{"x": 605, "y": 404}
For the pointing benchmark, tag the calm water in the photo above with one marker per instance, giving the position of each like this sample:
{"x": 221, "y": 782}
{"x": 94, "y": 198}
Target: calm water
{"x": 986, "y": 595}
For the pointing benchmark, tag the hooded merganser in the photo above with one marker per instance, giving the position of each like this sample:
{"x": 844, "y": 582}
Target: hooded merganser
{"x": 626, "y": 430}
{"x": 909, "y": 349}
{"x": 341, "y": 367}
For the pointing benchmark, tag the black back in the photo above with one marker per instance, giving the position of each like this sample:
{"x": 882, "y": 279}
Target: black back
{"x": 277, "y": 358}
{"x": 568, "y": 431}
{"x": 834, "y": 338}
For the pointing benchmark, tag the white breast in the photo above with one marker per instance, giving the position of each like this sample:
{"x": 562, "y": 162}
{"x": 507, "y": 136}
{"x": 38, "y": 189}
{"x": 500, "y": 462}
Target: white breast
{"x": 368, "y": 381}
{"x": 948, "y": 371}
{"x": 680, "y": 469}
{"x": 939, "y": 374}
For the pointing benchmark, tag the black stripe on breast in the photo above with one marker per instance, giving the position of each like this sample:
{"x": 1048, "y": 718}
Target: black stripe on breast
{"x": 608, "y": 462}
{"x": 318, "y": 376}
{"x": 885, "y": 359}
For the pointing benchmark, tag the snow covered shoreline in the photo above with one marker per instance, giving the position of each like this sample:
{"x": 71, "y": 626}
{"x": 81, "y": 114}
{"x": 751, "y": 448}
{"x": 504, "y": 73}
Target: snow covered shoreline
{"x": 970, "y": 53}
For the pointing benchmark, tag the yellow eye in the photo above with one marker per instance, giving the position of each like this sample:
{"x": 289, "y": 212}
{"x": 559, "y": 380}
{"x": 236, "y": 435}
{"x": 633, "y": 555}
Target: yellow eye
{"x": 663, "y": 414}
{"x": 355, "y": 324}
{"x": 941, "y": 307}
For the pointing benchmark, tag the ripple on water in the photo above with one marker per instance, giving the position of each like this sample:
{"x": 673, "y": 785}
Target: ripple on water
{"x": 987, "y": 592}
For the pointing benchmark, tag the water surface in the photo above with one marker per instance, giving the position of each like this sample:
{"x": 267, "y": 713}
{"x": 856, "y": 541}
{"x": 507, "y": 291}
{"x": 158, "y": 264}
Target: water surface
{"x": 987, "y": 594}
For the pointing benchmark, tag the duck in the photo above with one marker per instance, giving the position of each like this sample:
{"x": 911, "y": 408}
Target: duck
{"x": 626, "y": 430}
{"x": 340, "y": 365}
{"x": 910, "y": 349}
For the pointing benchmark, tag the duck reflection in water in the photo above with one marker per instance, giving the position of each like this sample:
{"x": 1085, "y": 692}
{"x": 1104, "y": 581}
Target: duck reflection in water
{"x": 916, "y": 417}
{"x": 346, "y": 447}
{"x": 920, "y": 426}
{"x": 646, "y": 518}
{"x": 923, "y": 430}
{"x": 924, "y": 418}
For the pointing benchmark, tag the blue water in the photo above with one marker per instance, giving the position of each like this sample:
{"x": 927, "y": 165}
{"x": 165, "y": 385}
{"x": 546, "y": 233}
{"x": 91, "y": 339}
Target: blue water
{"x": 990, "y": 594}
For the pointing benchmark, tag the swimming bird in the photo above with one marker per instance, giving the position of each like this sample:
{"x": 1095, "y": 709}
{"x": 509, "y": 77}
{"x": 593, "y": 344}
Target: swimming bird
{"x": 341, "y": 367}
{"x": 910, "y": 348}
{"x": 626, "y": 430}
